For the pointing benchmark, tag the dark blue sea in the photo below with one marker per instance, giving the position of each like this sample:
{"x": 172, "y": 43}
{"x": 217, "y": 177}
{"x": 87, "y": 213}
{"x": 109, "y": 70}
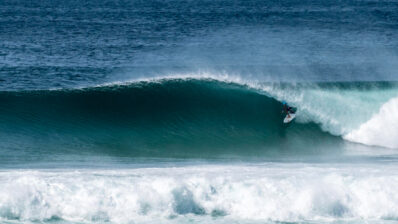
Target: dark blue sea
{"x": 170, "y": 111}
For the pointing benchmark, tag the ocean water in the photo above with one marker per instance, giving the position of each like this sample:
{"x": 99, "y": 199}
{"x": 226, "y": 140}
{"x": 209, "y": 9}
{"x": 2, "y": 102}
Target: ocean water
{"x": 169, "y": 111}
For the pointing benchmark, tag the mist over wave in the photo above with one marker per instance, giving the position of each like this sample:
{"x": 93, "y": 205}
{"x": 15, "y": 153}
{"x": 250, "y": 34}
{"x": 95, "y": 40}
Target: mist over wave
{"x": 169, "y": 111}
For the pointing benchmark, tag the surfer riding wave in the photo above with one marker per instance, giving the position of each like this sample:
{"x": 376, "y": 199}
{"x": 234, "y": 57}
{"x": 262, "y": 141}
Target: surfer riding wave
{"x": 287, "y": 109}
{"x": 290, "y": 112}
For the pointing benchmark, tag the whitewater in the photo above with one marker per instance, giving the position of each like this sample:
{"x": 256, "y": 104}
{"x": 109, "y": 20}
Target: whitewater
{"x": 170, "y": 111}
{"x": 245, "y": 193}
{"x": 273, "y": 176}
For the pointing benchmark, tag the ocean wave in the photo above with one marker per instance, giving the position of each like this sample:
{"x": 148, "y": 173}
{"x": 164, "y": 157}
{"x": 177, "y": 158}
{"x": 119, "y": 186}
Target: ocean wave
{"x": 192, "y": 115}
{"x": 359, "y": 112}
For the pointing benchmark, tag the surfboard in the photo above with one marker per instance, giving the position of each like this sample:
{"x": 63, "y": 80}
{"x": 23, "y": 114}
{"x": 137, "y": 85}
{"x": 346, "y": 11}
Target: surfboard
{"x": 289, "y": 119}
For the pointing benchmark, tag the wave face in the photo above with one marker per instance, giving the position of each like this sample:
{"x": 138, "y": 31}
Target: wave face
{"x": 362, "y": 112}
{"x": 169, "y": 118}
{"x": 191, "y": 118}
{"x": 169, "y": 111}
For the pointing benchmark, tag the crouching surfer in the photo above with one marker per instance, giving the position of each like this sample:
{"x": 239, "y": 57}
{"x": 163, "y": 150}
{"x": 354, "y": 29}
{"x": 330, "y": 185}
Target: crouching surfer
{"x": 287, "y": 109}
{"x": 290, "y": 112}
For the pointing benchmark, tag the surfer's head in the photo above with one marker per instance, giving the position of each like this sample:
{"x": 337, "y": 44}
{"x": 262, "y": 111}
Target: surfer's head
{"x": 284, "y": 103}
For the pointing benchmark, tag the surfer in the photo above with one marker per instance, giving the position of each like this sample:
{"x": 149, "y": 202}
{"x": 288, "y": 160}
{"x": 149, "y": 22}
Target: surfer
{"x": 287, "y": 109}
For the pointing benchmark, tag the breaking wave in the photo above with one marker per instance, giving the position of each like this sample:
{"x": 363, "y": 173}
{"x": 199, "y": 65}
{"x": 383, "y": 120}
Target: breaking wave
{"x": 190, "y": 116}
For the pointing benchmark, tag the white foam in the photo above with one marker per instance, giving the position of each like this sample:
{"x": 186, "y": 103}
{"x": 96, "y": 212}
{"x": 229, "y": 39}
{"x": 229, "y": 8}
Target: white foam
{"x": 337, "y": 111}
{"x": 381, "y": 129}
{"x": 203, "y": 75}
{"x": 270, "y": 192}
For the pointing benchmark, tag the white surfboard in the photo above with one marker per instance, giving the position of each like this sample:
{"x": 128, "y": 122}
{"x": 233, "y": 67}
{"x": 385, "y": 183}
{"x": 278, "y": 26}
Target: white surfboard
{"x": 289, "y": 119}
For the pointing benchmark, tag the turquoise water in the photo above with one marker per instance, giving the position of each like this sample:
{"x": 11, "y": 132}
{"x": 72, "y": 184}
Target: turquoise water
{"x": 197, "y": 151}
{"x": 170, "y": 111}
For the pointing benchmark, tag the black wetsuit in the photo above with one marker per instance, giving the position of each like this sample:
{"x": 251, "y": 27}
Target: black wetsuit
{"x": 288, "y": 109}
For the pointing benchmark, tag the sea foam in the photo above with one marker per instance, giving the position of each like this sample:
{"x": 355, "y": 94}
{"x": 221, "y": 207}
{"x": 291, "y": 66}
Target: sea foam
{"x": 381, "y": 129}
{"x": 228, "y": 193}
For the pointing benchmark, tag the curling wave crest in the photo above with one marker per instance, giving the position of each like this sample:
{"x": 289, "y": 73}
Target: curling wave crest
{"x": 201, "y": 115}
